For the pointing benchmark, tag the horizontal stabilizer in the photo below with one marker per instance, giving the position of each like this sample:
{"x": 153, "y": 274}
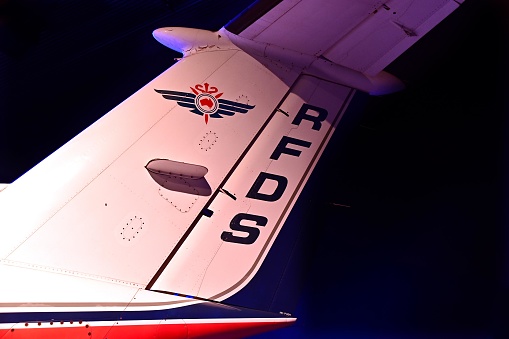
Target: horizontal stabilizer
{"x": 364, "y": 36}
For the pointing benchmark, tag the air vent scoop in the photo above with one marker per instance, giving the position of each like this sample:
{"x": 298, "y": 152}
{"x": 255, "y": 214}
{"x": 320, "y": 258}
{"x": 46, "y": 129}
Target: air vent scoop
{"x": 175, "y": 168}
{"x": 178, "y": 177}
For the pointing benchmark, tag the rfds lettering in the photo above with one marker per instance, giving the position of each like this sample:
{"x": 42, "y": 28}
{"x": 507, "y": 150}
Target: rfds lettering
{"x": 249, "y": 234}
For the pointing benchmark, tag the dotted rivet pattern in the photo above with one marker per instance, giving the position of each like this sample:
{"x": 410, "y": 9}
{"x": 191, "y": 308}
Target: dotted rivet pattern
{"x": 185, "y": 201}
{"x": 132, "y": 228}
{"x": 208, "y": 141}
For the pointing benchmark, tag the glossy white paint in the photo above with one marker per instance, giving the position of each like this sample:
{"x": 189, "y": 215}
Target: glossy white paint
{"x": 90, "y": 228}
{"x": 209, "y": 267}
{"x": 105, "y": 184}
{"x": 190, "y": 40}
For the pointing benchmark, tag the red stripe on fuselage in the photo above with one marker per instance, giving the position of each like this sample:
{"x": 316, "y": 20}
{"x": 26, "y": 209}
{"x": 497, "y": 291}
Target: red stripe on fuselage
{"x": 231, "y": 330}
{"x": 161, "y": 331}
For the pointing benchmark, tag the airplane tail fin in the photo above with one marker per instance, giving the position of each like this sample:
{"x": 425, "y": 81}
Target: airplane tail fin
{"x": 186, "y": 186}
{"x": 253, "y": 204}
{"x": 278, "y": 283}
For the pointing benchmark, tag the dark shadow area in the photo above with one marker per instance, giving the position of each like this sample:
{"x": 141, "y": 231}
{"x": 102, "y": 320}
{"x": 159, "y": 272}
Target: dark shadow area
{"x": 182, "y": 184}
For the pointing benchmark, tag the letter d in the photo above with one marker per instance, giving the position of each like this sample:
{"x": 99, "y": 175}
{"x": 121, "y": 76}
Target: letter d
{"x": 278, "y": 192}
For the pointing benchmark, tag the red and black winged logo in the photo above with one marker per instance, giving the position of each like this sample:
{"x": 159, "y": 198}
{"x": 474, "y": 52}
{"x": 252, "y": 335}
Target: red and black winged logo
{"x": 206, "y": 100}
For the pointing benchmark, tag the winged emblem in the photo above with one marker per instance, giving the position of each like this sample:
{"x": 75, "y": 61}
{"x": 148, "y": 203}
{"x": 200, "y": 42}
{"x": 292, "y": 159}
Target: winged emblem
{"x": 205, "y": 100}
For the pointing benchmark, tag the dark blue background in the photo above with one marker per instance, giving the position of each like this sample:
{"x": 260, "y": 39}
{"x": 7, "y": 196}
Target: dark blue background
{"x": 422, "y": 250}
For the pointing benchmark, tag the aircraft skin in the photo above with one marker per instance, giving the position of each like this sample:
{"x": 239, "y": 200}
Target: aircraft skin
{"x": 153, "y": 222}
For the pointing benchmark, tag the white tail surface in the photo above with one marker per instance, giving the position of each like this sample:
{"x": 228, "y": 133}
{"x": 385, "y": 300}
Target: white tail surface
{"x": 224, "y": 251}
{"x": 93, "y": 207}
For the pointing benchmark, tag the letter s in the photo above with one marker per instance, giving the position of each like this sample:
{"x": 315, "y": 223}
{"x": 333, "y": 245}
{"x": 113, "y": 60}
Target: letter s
{"x": 252, "y": 232}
